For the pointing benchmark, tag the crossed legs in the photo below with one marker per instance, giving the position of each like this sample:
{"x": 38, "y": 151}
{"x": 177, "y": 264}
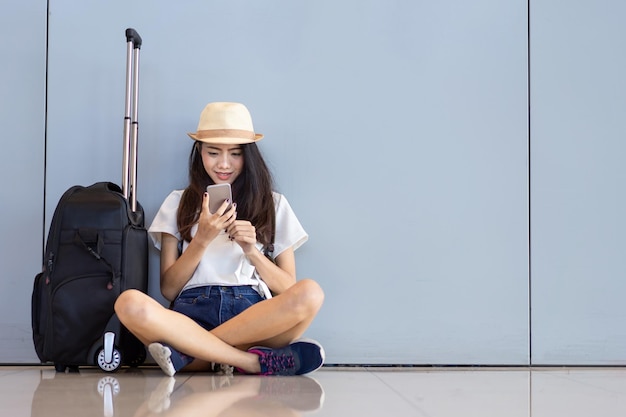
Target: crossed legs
{"x": 274, "y": 323}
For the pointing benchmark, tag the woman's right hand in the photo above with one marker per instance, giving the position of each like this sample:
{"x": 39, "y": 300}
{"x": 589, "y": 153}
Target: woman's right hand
{"x": 210, "y": 224}
{"x": 176, "y": 269}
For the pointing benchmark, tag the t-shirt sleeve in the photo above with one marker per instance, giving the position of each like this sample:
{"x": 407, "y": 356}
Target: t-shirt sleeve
{"x": 165, "y": 219}
{"x": 289, "y": 231}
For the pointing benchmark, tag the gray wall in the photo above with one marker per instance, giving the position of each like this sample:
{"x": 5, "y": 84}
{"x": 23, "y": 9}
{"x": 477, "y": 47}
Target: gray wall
{"x": 578, "y": 174}
{"x": 399, "y": 131}
{"x": 22, "y": 121}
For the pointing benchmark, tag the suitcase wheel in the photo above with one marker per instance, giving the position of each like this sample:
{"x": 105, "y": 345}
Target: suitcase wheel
{"x": 111, "y": 365}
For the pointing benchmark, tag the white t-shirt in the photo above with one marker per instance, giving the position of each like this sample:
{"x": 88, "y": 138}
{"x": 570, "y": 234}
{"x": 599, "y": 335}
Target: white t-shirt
{"x": 224, "y": 262}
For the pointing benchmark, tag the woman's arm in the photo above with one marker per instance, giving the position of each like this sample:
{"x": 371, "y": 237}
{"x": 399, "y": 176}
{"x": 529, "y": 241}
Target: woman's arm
{"x": 279, "y": 276}
{"x": 177, "y": 270}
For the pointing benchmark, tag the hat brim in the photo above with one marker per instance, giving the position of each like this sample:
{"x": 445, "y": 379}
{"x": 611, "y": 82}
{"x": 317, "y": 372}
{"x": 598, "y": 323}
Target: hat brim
{"x": 227, "y": 140}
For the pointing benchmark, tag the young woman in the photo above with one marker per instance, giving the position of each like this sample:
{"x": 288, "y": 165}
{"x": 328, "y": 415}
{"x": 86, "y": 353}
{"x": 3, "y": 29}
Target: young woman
{"x": 231, "y": 275}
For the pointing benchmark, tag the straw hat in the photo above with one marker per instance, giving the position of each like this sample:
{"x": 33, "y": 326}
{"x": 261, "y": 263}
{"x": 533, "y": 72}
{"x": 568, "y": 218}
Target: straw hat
{"x": 225, "y": 123}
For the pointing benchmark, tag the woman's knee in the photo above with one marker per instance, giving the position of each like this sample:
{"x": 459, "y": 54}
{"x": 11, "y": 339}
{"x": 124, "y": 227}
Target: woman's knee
{"x": 309, "y": 295}
{"x": 131, "y": 305}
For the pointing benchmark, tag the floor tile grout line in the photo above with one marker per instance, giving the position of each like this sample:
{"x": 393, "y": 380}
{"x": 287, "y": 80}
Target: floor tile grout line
{"x": 374, "y": 373}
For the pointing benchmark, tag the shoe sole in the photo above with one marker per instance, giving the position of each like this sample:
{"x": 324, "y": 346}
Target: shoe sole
{"x": 161, "y": 355}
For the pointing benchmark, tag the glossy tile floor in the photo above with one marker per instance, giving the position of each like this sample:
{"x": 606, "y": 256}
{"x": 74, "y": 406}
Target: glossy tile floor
{"x": 346, "y": 392}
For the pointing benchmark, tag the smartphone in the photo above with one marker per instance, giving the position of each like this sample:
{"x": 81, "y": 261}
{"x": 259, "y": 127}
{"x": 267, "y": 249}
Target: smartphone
{"x": 218, "y": 193}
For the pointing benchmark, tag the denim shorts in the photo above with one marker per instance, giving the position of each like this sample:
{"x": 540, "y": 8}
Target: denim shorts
{"x": 211, "y": 306}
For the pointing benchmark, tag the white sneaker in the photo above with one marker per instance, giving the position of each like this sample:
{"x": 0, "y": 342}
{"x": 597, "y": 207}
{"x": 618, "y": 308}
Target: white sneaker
{"x": 161, "y": 355}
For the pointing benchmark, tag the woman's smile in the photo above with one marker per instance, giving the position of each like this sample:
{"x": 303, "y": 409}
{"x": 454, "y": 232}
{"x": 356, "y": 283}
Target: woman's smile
{"x": 223, "y": 176}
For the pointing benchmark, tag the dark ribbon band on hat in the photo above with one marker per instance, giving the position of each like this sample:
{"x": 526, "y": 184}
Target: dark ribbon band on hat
{"x": 225, "y": 133}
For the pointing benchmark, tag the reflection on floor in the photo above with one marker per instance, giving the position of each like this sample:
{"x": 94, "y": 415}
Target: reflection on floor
{"x": 512, "y": 392}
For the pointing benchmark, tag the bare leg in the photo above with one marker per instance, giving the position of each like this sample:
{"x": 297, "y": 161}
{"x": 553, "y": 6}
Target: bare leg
{"x": 275, "y": 322}
{"x": 151, "y": 322}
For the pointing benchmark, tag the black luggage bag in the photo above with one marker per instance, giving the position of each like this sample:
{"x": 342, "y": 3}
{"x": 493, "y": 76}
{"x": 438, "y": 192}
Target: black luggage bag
{"x": 97, "y": 247}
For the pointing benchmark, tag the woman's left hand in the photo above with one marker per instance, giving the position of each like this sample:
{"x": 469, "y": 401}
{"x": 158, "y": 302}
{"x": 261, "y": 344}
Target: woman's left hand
{"x": 244, "y": 233}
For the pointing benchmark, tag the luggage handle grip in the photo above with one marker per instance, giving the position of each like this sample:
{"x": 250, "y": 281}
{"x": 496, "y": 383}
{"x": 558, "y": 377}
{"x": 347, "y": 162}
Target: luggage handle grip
{"x": 133, "y": 36}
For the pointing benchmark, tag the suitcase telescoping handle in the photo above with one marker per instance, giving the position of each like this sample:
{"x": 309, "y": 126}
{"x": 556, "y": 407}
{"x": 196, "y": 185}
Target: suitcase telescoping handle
{"x": 131, "y": 125}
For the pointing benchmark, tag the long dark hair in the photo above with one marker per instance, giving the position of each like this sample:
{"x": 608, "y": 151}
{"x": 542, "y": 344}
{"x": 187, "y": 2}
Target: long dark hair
{"x": 252, "y": 191}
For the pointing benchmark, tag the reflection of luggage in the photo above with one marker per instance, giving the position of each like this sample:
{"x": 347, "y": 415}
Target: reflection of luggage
{"x": 97, "y": 247}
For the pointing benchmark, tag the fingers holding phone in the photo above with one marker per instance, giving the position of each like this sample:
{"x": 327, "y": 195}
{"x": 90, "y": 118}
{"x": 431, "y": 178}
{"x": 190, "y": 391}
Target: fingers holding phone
{"x": 215, "y": 217}
{"x": 209, "y": 225}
